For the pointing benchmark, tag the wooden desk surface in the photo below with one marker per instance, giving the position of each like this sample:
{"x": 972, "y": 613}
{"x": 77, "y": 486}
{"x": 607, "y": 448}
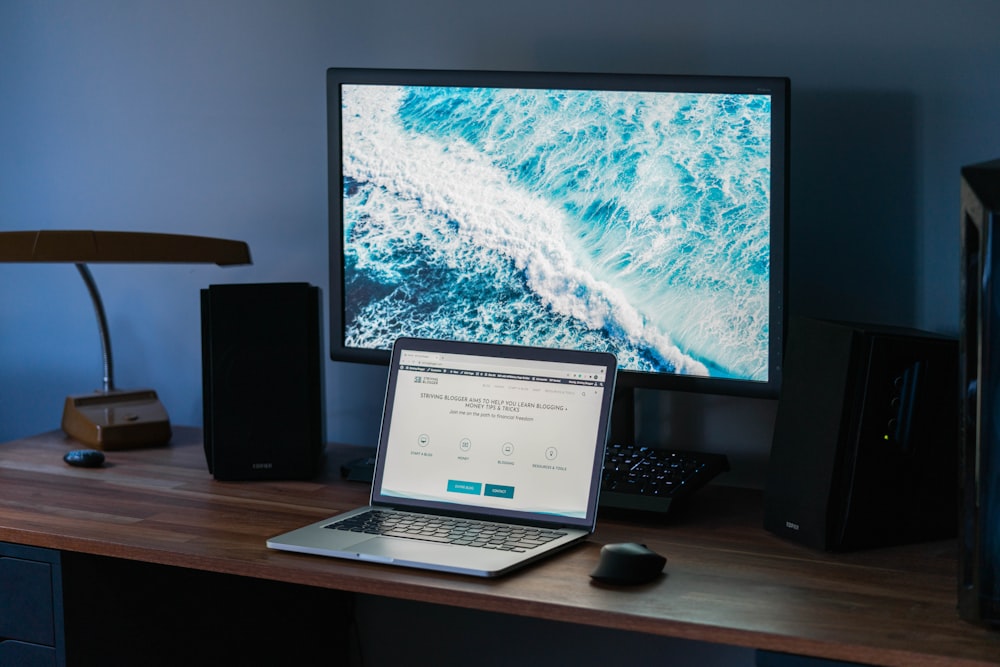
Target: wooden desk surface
{"x": 728, "y": 581}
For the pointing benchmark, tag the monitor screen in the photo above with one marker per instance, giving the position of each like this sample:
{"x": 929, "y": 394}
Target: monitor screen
{"x": 639, "y": 214}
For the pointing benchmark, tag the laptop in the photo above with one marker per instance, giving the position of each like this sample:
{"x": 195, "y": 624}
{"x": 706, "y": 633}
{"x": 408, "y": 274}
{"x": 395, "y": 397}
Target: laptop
{"x": 489, "y": 458}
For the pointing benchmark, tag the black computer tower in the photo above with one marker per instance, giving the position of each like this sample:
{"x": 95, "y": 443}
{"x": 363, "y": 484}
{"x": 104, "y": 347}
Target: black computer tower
{"x": 262, "y": 377}
{"x": 979, "y": 324}
{"x": 865, "y": 438}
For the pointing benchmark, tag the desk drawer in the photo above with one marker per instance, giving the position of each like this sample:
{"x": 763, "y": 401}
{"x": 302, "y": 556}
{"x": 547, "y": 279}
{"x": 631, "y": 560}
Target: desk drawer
{"x": 27, "y": 601}
{"x": 21, "y": 654}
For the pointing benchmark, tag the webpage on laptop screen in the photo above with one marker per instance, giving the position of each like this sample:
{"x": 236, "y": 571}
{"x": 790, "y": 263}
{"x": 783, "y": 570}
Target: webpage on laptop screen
{"x": 481, "y": 431}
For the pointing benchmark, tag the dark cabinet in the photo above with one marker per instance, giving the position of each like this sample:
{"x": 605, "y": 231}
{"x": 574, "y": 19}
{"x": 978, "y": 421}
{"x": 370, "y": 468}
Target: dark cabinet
{"x": 66, "y": 608}
{"x": 31, "y": 615}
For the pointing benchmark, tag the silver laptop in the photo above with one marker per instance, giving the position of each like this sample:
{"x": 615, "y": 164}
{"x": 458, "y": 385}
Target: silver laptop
{"x": 489, "y": 457}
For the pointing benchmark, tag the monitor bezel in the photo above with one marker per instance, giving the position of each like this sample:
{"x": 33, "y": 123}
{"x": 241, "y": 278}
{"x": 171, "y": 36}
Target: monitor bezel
{"x": 776, "y": 86}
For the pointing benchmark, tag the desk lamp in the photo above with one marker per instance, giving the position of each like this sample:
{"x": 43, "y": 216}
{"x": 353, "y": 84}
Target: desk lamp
{"x": 111, "y": 418}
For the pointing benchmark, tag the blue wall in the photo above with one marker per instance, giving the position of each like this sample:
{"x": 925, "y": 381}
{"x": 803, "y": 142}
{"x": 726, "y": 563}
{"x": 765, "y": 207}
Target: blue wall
{"x": 207, "y": 117}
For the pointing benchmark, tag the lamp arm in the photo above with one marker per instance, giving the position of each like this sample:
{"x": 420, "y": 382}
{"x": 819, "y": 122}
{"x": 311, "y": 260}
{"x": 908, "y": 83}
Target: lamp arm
{"x": 102, "y": 324}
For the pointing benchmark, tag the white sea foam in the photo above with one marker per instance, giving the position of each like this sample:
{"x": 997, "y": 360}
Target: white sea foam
{"x": 467, "y": 212}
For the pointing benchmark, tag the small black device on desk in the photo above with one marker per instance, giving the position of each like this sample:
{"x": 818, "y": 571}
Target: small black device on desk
{"x": 84, "y": 458}
{"x": 361, "y": 469}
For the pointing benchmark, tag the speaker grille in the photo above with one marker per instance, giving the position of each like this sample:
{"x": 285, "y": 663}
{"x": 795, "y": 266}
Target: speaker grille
{"x": 262, "y": 380}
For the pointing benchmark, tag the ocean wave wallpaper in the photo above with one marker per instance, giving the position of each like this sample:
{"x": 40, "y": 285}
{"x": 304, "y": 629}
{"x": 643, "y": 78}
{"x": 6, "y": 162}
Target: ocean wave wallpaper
{"x": 635, "y": 222}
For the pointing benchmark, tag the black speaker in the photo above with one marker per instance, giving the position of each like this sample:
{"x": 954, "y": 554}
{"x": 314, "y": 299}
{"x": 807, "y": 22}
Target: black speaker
{"x": 865, "y": 444}
{"x": 262, "y": 380}
{"x": 979, "y": 573}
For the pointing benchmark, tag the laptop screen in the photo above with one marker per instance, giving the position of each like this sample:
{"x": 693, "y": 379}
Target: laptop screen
{"x": 508, "y": 430}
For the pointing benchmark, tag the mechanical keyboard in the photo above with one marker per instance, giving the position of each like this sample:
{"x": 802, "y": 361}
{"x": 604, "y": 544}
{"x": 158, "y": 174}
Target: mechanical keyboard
{"x": 649, "y": 479}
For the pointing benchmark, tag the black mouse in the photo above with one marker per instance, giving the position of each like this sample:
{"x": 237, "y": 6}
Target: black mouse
{"x": 628, "y": 563}
{"x": 84, "y": 458}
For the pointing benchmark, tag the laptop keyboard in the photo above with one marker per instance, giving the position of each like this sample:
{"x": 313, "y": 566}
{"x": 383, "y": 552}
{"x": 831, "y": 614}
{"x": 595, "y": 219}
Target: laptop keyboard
{"x": 466, "y": 532}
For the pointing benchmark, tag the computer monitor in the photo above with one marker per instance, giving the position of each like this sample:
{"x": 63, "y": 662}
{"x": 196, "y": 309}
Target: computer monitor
{"x": 640, "y": 214}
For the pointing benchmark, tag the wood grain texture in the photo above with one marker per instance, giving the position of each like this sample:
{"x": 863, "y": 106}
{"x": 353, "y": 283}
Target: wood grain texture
{"x": 727, "y": 580}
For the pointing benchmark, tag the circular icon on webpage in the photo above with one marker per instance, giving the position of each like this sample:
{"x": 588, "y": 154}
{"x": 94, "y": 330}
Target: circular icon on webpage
{"x": 551, "y": 453}
{"x": 465, "y": 444}
{"x": 507, "y": 449}
{"x": 423, "y": 440}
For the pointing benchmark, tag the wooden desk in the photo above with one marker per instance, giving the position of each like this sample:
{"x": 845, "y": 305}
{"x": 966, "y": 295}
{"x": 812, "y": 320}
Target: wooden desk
{"x": 728, "y": 581}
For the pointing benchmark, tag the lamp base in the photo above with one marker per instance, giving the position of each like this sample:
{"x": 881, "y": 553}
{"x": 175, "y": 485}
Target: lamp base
{"x": 117, "y": 419}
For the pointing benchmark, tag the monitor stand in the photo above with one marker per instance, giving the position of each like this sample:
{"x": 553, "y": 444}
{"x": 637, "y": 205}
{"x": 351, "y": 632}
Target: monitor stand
{"x": 622, "y": 430}
{"x": 361, "y": 469}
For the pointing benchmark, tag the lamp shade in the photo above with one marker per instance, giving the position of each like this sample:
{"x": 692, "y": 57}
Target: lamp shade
{"x": 140, "y": 247}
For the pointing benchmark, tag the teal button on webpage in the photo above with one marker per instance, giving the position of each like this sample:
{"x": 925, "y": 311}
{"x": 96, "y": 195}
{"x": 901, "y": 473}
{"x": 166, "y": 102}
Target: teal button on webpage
{"x": 497, "y": 491}
{"x": 457, "y": 486}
